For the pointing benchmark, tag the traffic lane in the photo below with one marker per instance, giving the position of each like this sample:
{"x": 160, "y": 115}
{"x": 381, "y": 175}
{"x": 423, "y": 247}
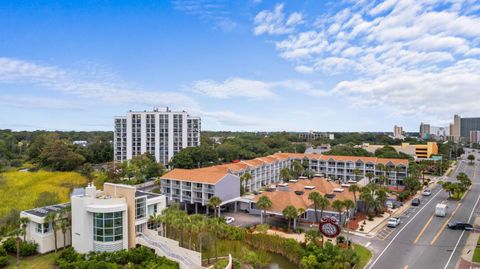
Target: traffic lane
{"x": 439, "y": 253}
{"x": 399, "y": 251}
{"x": 434, "y": 227}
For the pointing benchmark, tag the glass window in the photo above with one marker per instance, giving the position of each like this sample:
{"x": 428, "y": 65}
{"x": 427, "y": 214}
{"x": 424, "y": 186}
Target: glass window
{"x": 140, "y": 207}
{"x": 108, "y": 227}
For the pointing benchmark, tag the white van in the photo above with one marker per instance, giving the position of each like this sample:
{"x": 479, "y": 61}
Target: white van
{"x": 441, "y": 210}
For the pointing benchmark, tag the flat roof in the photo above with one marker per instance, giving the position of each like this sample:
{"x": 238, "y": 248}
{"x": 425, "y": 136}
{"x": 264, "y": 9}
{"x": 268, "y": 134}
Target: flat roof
{"x": 148, "y": 194}
{"x": 43, "y": 211}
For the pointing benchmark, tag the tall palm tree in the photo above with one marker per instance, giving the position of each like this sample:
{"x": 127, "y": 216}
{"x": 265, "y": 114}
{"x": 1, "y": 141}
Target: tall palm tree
{"x": 24, "y": 225}
{"x": 348, "y": 205}
{"x": 244, "y": 181}
{"x": 289, "y": 212}
{"x": 354, "y": 188}
{"x": 315, "y": 197}
{"x": 52, "y": 218}
{"x": 263, "y": 204}
{"x": 215, "y": 202}
{"x": 64, "y": 226}
{"x": 323, "y": 203}
{"x": 381, "y": 167}
{"x": 369, "y": 175}
{"x": 356, "y": 172}
{"x": 338, "y": 205}
{"x": 17, "y": 233}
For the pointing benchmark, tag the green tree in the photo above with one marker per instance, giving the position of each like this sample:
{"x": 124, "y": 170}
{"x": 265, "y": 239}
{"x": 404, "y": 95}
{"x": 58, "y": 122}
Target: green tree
{"x": 64, "y": 226}
{"x": 369, "y": 175}
{"x": 263, "y": 204}
{"x": 348, "y": 205}
{"x": 339, "y": 206}
{"x": 142, "y": 167}
{"x": 290, "y": 212}
{"x": 354, "y": 189}
{"x": 17, "y": 233}
{"x": 471, "y": 158}
{"x": 52, "y": 219}
{"x": 244, "y": 182}
{"x": 297, "y": 168}
{"x": 215, "y": 202}
{"x": 356, "y": 172}
{"x": 322, "y": 204}
{"x": 285, "y": 174}
{"x": 315, "y": 197}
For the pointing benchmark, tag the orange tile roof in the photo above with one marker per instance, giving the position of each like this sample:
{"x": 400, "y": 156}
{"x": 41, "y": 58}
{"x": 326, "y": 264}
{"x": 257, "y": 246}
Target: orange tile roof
{"x": 281, "y": 199}
{"x": 201, "y": 175}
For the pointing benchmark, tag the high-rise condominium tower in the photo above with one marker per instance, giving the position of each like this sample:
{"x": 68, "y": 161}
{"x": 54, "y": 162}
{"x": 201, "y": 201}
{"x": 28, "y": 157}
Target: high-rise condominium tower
{"x": 160, "y": 132}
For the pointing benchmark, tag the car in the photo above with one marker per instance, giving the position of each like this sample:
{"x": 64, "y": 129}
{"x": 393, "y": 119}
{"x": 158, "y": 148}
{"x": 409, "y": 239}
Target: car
{"x": 393, "y": 222}
{"x": 229, "y": 220}
{"x": 416, "y": 202}
{"x": 427, "y": 192}
{"x": 456, "y": 225}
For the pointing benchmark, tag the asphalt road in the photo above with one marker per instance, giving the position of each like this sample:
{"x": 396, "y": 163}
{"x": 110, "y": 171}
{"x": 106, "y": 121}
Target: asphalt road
{"x": 423, "y": 240}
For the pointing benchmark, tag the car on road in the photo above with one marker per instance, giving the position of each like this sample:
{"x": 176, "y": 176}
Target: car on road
{"x": 456, "y": 225}
{"x": 229, "y": 220}
{"x": 393, "y": 222}
{"x": 427, "y": 192}
{"x": 416, "y": 202}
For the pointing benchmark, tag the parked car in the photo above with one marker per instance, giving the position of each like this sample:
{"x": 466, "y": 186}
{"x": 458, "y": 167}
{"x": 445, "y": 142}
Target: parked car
{"x": 456, "y": 225}
{"x": 427, "y": 192}
{"x": 229, "y": 220}
{"x": 416, "y": 202}
{"x": 393, "y": 222}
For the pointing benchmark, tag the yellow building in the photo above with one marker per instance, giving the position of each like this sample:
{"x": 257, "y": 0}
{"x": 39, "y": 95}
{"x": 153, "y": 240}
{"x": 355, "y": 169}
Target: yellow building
{"x": 420, "y": 151}
{"x": 426, "y": 151}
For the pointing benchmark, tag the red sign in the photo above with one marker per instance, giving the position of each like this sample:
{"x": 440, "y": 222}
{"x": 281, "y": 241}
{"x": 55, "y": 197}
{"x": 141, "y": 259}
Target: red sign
{"x": 328, "y": 227}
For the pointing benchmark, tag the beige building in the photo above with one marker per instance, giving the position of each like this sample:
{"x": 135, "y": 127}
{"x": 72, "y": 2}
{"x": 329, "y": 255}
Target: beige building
{"x": 418, "y": 151}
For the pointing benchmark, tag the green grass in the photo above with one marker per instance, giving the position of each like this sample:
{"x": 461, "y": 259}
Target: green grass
{"x": 20, "y": 189}
{"x": 45, "y": 261}
{"x": 364, "y": 254}
{"x": 476, "y": 253}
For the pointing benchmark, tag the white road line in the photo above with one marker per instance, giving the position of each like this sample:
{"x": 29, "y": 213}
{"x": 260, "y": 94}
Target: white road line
{"x": 393, "y": 239}
{"x": 461, "y": 235}
{"x": 368, "y": 244}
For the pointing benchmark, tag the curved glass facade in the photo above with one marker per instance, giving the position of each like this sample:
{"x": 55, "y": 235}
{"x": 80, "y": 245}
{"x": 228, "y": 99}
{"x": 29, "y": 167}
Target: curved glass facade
{"x": 108, "y": 227}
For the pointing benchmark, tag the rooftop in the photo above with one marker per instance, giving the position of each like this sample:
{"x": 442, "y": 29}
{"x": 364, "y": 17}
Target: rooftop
{"x": 43, "y": 211}
{"x": 149, "y": 195}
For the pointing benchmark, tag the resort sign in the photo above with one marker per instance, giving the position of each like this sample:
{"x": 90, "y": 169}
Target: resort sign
{"x": 328, "y": 227}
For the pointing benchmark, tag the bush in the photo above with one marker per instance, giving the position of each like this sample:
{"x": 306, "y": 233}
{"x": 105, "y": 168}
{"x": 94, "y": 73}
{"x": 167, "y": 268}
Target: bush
{"x": 299, "y": 230}
{"x": 28, "y": 248}
{"x": 3, "y": 261}
{"x": 10, "y": 246}
{"x": 2, "y": 252}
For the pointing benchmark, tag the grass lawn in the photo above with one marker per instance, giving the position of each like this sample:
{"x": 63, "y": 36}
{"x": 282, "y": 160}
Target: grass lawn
{"x": 476, "y": 253}
{"x": 20, "y": 189}
{"x": 364, "y": 254}
{"x": 35, "y": 262}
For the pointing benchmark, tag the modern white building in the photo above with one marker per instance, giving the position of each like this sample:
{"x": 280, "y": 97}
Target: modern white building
{"x": 161, "y": 133}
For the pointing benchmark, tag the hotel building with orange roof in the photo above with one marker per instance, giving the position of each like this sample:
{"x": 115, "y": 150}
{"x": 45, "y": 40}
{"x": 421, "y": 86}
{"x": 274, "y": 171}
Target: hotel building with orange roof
{"x": 194, "y": 187}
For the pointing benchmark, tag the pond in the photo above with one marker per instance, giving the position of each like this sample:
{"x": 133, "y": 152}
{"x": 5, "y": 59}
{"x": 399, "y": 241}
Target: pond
{"x": 279, "y": 262}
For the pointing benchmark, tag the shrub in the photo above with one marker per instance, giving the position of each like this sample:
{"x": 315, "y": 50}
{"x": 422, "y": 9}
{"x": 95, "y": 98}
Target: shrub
{"x": 69, "y": 255}
{"x": 28, "y": 248}
{"x": 370, "y": 218}
{"x": 2, "y": 251}
{"x": 299, "y": 230}
{"x": 10, "y": 245}
{"x": 340, "y": 239}
{"x": 3, "y": 261}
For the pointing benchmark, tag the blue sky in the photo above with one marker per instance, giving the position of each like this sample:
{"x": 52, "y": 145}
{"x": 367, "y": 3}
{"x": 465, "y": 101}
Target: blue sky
{"x": 240, "y": 65}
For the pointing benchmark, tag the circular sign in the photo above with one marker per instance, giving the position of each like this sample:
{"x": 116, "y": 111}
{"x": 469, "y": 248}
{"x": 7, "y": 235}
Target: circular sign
{"x": 329, "y": 227}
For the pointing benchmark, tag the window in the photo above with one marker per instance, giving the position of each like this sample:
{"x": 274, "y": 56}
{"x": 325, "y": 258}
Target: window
{"x": 43, "y": 228}
{"x": 152, "y": 209}
{"x": 108, "y": 227}
{"x": 140, "y": 208}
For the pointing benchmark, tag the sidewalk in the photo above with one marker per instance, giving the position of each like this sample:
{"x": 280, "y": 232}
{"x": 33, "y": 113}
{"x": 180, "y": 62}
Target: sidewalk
{"x": 465, "y": 261}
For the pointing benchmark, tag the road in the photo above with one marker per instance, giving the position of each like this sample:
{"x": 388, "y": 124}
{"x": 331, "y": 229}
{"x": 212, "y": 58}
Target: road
{"x": 423, "y": 240}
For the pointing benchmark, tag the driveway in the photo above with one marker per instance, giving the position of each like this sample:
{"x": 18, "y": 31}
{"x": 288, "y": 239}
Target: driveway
{"x": 243, "y": 219}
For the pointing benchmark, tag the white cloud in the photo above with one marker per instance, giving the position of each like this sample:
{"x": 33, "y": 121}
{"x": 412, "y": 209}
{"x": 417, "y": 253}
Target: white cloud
{"x": 252, "y": 89}
{"x": 274, "y": 22}
{"x": 395, "y": 52}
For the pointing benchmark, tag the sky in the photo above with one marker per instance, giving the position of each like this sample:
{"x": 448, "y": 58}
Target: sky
{"x": 252, "y": 65}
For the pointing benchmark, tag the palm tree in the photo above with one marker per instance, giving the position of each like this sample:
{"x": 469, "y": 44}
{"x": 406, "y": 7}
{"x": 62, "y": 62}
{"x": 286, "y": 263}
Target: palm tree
{"x": 356, "y": 172}
{"x": 381, "y": 167}
{"x": 348, "y": 205}
{"x": 289, "y": 212}
{"x": 369, "y": 175}
{"x": 397, "y": 170}
{"x": 338, "y": 205}
{"x": 215, "y": 202}
{"x": 52, "y": 218}
{"x": 64, "y": 226}
{"x": 354, "y": 189}
{"x": 264, "y": 203}
{"x": 323, "y": 203}
{"x": 17, "y": 233}
{"x": 24, "y": 225}
{"x": 285, "y": 174}
{"x": 244, "y": 181}
{"x": 314, "y": 196}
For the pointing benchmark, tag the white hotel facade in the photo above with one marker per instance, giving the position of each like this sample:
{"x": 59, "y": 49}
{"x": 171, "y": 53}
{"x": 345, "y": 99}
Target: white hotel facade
{"x": 160, "y": 132}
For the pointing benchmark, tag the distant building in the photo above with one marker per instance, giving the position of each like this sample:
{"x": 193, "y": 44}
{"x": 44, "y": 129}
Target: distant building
{"x": 315, "y": 135}
{"x": 419, "y": 151}
{"x": 439, "y": 133}
{"x": 462, "y": 127}
{"x": 424, "y": 130}
{"x": 161, "y": 133}
{"x": 81, "y": 143}
{"x": 398, "y": 132}
{"x": 319, "y": 149}
{"x": 475, "y": 137}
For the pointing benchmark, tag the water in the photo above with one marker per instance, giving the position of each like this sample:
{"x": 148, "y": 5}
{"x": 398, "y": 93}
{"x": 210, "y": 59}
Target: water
{"x": 279, "y": 262}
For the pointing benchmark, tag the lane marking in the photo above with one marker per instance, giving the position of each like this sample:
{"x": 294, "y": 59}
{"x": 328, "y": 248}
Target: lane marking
{"x": 461, "y": 235}
{"x": 423, "y": 229}
{"x": 445, "y": 224}
{"x": 368, "y": 244}
{"x": 393, "y": 239}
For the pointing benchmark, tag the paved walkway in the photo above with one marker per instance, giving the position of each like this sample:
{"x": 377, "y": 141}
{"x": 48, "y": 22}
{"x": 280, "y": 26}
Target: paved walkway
{"x": 465, "y": 261}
